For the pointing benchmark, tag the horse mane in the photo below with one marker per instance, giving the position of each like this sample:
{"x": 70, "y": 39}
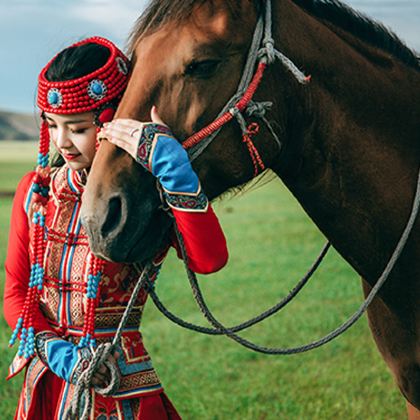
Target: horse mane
{"x": 361, "y": 26}
{"x": 160, "y": 12}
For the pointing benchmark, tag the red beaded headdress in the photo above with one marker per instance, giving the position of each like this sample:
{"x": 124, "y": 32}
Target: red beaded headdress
{"x": 98, "y": 92}
{"x": 85, "y": 93}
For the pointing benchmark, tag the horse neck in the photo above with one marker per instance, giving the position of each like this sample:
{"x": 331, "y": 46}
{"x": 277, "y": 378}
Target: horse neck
{"x": 359, "y": 154}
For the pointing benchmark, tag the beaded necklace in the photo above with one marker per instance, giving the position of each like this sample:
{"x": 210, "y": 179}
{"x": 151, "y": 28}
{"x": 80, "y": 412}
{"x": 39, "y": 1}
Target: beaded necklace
{"x": 92, "y": 92}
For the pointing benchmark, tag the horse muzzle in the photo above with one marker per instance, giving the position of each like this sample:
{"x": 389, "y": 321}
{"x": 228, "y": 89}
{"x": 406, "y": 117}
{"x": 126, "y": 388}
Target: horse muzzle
{"x": 124, "y": 230}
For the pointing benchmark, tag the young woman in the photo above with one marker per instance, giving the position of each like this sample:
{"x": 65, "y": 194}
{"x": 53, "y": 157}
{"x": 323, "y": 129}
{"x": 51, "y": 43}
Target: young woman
{"x": 59, "y": 298}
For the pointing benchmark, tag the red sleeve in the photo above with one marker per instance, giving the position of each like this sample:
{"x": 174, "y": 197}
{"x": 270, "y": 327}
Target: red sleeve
{"x": 204, "y": 240}
{"x": 17, "y": 263}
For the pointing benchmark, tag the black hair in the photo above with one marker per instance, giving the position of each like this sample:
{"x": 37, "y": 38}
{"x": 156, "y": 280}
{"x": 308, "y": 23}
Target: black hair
{"x": 75, "y": 62}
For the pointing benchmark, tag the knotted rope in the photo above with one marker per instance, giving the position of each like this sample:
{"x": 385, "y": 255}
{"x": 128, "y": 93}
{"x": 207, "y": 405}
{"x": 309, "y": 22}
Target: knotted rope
{"x": 82, "y": 396}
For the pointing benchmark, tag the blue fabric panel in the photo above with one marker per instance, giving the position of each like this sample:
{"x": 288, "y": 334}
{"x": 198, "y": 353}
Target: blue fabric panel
{"x": 171, "y": 165}
{"x": 128, "y": 369}
{"x": 62, "y": 358}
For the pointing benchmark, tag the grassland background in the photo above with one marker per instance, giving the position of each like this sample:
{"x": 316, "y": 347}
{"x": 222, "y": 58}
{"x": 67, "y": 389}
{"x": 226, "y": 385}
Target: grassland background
{"x": 272, "y": 243}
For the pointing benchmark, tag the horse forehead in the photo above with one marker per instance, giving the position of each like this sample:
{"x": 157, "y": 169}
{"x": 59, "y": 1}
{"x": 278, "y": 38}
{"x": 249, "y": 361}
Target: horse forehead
{"x": 165, "y": 43}
{"x": 164, "y": 53}
{"x": 214, "y": 23}
{"x": 202, "y": 27}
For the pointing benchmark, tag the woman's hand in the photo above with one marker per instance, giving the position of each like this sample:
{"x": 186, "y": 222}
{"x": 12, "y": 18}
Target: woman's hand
{"x": 124, "y": 132}
{"x": 62, "y": 357}
{"x": 102, "y": 376}
{"x": 68, "y": 361}
{"x": 155, "y": 148}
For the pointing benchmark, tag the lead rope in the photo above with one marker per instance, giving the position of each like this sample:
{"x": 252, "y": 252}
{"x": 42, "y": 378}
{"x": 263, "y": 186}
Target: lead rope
{"x": 198, "y": 296}
{"x": 82, "y": 395}
{"x": 240, "y": 327}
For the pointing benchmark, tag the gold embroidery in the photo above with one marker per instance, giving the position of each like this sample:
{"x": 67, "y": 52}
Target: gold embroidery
{"x": 138, "y": 380}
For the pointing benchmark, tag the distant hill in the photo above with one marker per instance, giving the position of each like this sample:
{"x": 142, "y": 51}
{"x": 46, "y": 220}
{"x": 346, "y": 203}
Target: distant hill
{"x": 16, "y": 126}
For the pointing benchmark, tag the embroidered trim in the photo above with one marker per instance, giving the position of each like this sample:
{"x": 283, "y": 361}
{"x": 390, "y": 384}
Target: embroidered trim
{"x": 187, "y": 202}
{"x": 146, "y": 142}
{"x": 41, "y": 341}
{"x": 84, "y": 357}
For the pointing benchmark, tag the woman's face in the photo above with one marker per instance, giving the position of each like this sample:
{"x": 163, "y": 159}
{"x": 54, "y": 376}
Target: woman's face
{"x": 74, "y": 136}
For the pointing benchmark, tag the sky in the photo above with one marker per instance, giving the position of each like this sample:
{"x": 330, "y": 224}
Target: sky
{"x": 32, "y": 31}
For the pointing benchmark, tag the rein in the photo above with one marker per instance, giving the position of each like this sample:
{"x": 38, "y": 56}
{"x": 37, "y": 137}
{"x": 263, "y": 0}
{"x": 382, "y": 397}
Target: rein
{"x": 240, "y": 327}
{"x": 230, "y": 332}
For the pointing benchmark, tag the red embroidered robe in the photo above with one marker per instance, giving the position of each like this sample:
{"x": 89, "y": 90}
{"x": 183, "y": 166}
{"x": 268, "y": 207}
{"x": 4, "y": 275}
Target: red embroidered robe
{"x": 63, "y": 301}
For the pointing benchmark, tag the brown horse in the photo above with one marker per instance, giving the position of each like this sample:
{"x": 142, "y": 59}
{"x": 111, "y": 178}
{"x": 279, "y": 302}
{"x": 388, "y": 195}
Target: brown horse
{"x": 350, "y": 141}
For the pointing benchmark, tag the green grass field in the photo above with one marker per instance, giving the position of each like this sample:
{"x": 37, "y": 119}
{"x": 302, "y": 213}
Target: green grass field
{"x": 272, "y": 243}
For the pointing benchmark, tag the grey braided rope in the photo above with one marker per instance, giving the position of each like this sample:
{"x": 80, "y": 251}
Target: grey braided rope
{"x": 268, "y": 53}
{"x": 198, "y": 296}
{"x": 83, "y": 389}
{"x": 258, "y": 110}
{"x": 240, "y": 327}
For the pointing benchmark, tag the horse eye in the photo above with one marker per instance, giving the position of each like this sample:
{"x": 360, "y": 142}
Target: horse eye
{"x": 205, "y": 68}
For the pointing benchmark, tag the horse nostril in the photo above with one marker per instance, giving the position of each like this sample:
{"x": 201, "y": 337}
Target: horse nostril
{"x": 113, "y": 217}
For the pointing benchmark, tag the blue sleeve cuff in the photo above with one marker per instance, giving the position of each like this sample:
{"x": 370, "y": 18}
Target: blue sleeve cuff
{"x": 171, "y": 165}
{"x": 65, "y": 359}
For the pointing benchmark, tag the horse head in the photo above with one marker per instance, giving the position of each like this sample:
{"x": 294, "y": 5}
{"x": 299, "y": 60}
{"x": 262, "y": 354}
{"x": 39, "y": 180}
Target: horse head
{"x": 187, "y": 60}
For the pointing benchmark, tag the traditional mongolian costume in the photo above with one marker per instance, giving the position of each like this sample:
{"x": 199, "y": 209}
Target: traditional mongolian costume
{"x": 59, "y": 298}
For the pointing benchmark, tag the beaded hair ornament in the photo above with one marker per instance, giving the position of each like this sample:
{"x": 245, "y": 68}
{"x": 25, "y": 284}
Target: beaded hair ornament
{"x": 96, "y": 92}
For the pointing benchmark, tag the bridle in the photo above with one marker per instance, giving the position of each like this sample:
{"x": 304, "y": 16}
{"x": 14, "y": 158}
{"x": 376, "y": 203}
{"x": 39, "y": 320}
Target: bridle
{"x": 261, "y": 54}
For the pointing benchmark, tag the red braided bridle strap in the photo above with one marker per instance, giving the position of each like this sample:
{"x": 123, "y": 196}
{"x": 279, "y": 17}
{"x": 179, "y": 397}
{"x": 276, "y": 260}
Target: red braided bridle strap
{"x": 261, "y": 51}
{"x": 227, "y": 116}
{"x": 257, "y": 161}
{"x": 240, "y": 106}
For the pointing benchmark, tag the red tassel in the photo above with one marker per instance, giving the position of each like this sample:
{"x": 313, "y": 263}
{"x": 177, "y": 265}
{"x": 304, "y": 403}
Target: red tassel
{"x": 253, "y": 129}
